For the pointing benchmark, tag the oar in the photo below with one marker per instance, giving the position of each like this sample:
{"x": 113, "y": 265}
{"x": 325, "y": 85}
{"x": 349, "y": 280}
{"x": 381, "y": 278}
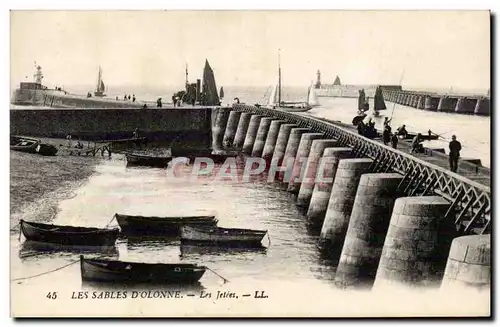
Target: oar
{"x": 394, "y": 103}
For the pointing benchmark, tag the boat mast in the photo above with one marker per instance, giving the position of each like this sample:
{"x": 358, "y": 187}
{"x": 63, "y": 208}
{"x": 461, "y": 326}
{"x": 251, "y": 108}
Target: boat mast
{"x": 98, "y": 87}
{"x": 187, "y": 81}
{"x": 279, "y": 78}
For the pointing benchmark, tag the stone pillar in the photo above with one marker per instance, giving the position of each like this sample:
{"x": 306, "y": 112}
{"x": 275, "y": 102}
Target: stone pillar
{"x": 428, "y": 103}
{"x": 414, "y": 101}
{"x": 469, "y": 264}
{"x": 322, "y": 190}
{"x": 417, "y": 243}
{"x": 447, "y": 104}
{"x": 301, "y": 160}
{"x": 465, "y": 106}
{"x": 272, "y": 138}
{"x": 311, "y": 170}
{"x": 421, "y": 102}
{"x": 367, "y": 229}
{"x": 281, "y": 142}
{"x": 219, "y": 126}
{"x": 253, "y": 127}
{"x": 232, "y": 125}
{"x": 407, "y": 99}
{"x": 290, "y": 151}
{"x": 241, "y": 130}
{"x": 482, "y": 107}
{"x": 260, "y": 140}
{"x": 338, "y": 213}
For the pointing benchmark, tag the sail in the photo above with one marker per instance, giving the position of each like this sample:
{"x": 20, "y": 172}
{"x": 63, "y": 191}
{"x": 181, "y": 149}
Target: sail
{"x": 273, "y": 97}
{"x": 361, "y": 99}
{"x": 102, "y": 87}
{"x": 312, "y": 100}
{"x": 379, "y": 103}
{"x": 210, "y": 96}
{"x": 221, "y": 93}
{"x": 337, "y": 80}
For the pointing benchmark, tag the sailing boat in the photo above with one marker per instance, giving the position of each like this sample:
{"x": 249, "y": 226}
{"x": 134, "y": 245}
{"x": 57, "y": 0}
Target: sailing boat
{"x": 100, "y": 87}
{"x": 209, "y": 94}
{"x": 312, "y": 99}
{"x": 378, "y": 102}
{"x": 274, "y": 100}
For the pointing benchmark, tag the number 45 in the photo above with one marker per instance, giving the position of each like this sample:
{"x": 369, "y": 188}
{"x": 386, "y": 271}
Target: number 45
{"x": 52, "y": 295}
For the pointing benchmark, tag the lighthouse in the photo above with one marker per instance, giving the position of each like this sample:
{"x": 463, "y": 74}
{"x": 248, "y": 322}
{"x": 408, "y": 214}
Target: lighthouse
{"x": 38, "y": 74}
{"x": 318, "y": 80}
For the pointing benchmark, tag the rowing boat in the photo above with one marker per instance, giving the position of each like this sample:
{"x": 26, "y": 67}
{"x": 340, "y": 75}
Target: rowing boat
{"x": 219, "y": 235}
{"x": 134, "y": 159}
{"x": 68, "y": 235}
{"x": 32, "y": 146}
{"x": 114, "y": 271}
{"x": 167, "y": 226}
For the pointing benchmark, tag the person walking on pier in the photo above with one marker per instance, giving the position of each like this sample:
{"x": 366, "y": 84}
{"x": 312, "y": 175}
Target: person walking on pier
{"x": 386, "y": 135}
{"x": 416, "y": 144}
{"x": 455, "y": 148}
{"x": 387, "y": 122}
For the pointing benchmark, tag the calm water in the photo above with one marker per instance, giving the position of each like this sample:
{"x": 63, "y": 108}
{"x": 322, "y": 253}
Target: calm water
{"x": 290, "y": 271}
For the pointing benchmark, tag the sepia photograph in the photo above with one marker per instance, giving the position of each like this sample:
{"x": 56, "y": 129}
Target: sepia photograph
{"x": 250, "y": 163}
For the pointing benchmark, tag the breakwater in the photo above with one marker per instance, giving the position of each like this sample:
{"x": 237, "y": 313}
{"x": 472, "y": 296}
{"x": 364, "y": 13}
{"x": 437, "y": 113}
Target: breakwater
{"x": 187, "y": 127}
{"x": 460, "y": 104}
{"x": 385, "y": 213}
{"x": 58, "y": 99}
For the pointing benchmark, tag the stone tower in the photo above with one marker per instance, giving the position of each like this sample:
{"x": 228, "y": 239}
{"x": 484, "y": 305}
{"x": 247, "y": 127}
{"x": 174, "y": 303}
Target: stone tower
{"x": 318, "y": 80}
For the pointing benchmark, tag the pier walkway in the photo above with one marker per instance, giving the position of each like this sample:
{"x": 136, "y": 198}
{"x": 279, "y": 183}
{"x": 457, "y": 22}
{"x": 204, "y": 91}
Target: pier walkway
{"x": 468, "y": 193}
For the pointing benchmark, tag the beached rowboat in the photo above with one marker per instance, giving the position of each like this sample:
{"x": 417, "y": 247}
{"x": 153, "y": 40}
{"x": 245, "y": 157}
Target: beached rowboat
{"x": 68, "y": 235}
{"x": 140, "y": 225}
{"x": 32, "y": 146}
{"x": 136, "y": 272}
{"x": 219, "y": 235}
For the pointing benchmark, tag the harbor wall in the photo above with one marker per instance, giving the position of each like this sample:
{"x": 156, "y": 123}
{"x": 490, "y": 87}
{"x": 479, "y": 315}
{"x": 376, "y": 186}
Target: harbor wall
{"x": 58, "y": 99}
{"x": 188, "y": 127}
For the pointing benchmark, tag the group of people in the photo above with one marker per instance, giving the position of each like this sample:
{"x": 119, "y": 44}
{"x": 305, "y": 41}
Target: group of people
{"x": 127, "y": 97}
{"x": 176, "y": 100}
{"x": 368, "y": 130}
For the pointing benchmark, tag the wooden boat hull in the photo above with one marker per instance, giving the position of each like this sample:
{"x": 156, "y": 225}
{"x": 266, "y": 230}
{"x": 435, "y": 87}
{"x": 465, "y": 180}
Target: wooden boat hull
{"x": 149, "y": 161}
{"x": 133, "y": 272}
{"x": 160, "y": 226}
{"x": 68, "y": 235}
{"x": 32, "y": 146}
{"x": 34, "y": 246}
{"x": 225, "y": 236}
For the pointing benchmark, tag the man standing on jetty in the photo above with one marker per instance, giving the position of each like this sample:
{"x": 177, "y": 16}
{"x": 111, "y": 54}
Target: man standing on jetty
{"x": 455, "y": 148}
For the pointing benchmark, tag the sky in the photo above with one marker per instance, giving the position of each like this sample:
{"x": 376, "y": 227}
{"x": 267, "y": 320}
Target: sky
{"x": 432, "y": 49}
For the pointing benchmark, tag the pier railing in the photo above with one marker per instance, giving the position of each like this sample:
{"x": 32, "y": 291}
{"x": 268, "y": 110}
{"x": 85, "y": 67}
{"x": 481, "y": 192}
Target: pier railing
{"x": 470, "y": 202}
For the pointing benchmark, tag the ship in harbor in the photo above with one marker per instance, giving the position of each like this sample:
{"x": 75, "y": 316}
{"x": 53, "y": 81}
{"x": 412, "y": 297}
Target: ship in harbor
{"x": 100, "y": 87}
{"x": 274, "y": 100}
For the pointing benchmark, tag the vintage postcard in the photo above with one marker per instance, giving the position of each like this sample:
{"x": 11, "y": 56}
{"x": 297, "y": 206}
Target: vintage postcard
{"x": 189, "y": 163}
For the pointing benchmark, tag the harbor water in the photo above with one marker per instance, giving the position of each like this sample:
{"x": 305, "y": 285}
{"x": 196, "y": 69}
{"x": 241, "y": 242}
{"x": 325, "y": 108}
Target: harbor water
{"x": 290, "y": 272}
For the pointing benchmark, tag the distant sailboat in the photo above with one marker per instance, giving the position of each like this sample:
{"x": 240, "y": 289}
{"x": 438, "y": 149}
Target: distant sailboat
{"x": 100, "y": 87}
{"x": 274, "y": 100}
{"x": 312, "y": 99}
{"x": 209, "y": 94}
{"x": 221, "y": 93}
{"x": 378, "y": 102}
